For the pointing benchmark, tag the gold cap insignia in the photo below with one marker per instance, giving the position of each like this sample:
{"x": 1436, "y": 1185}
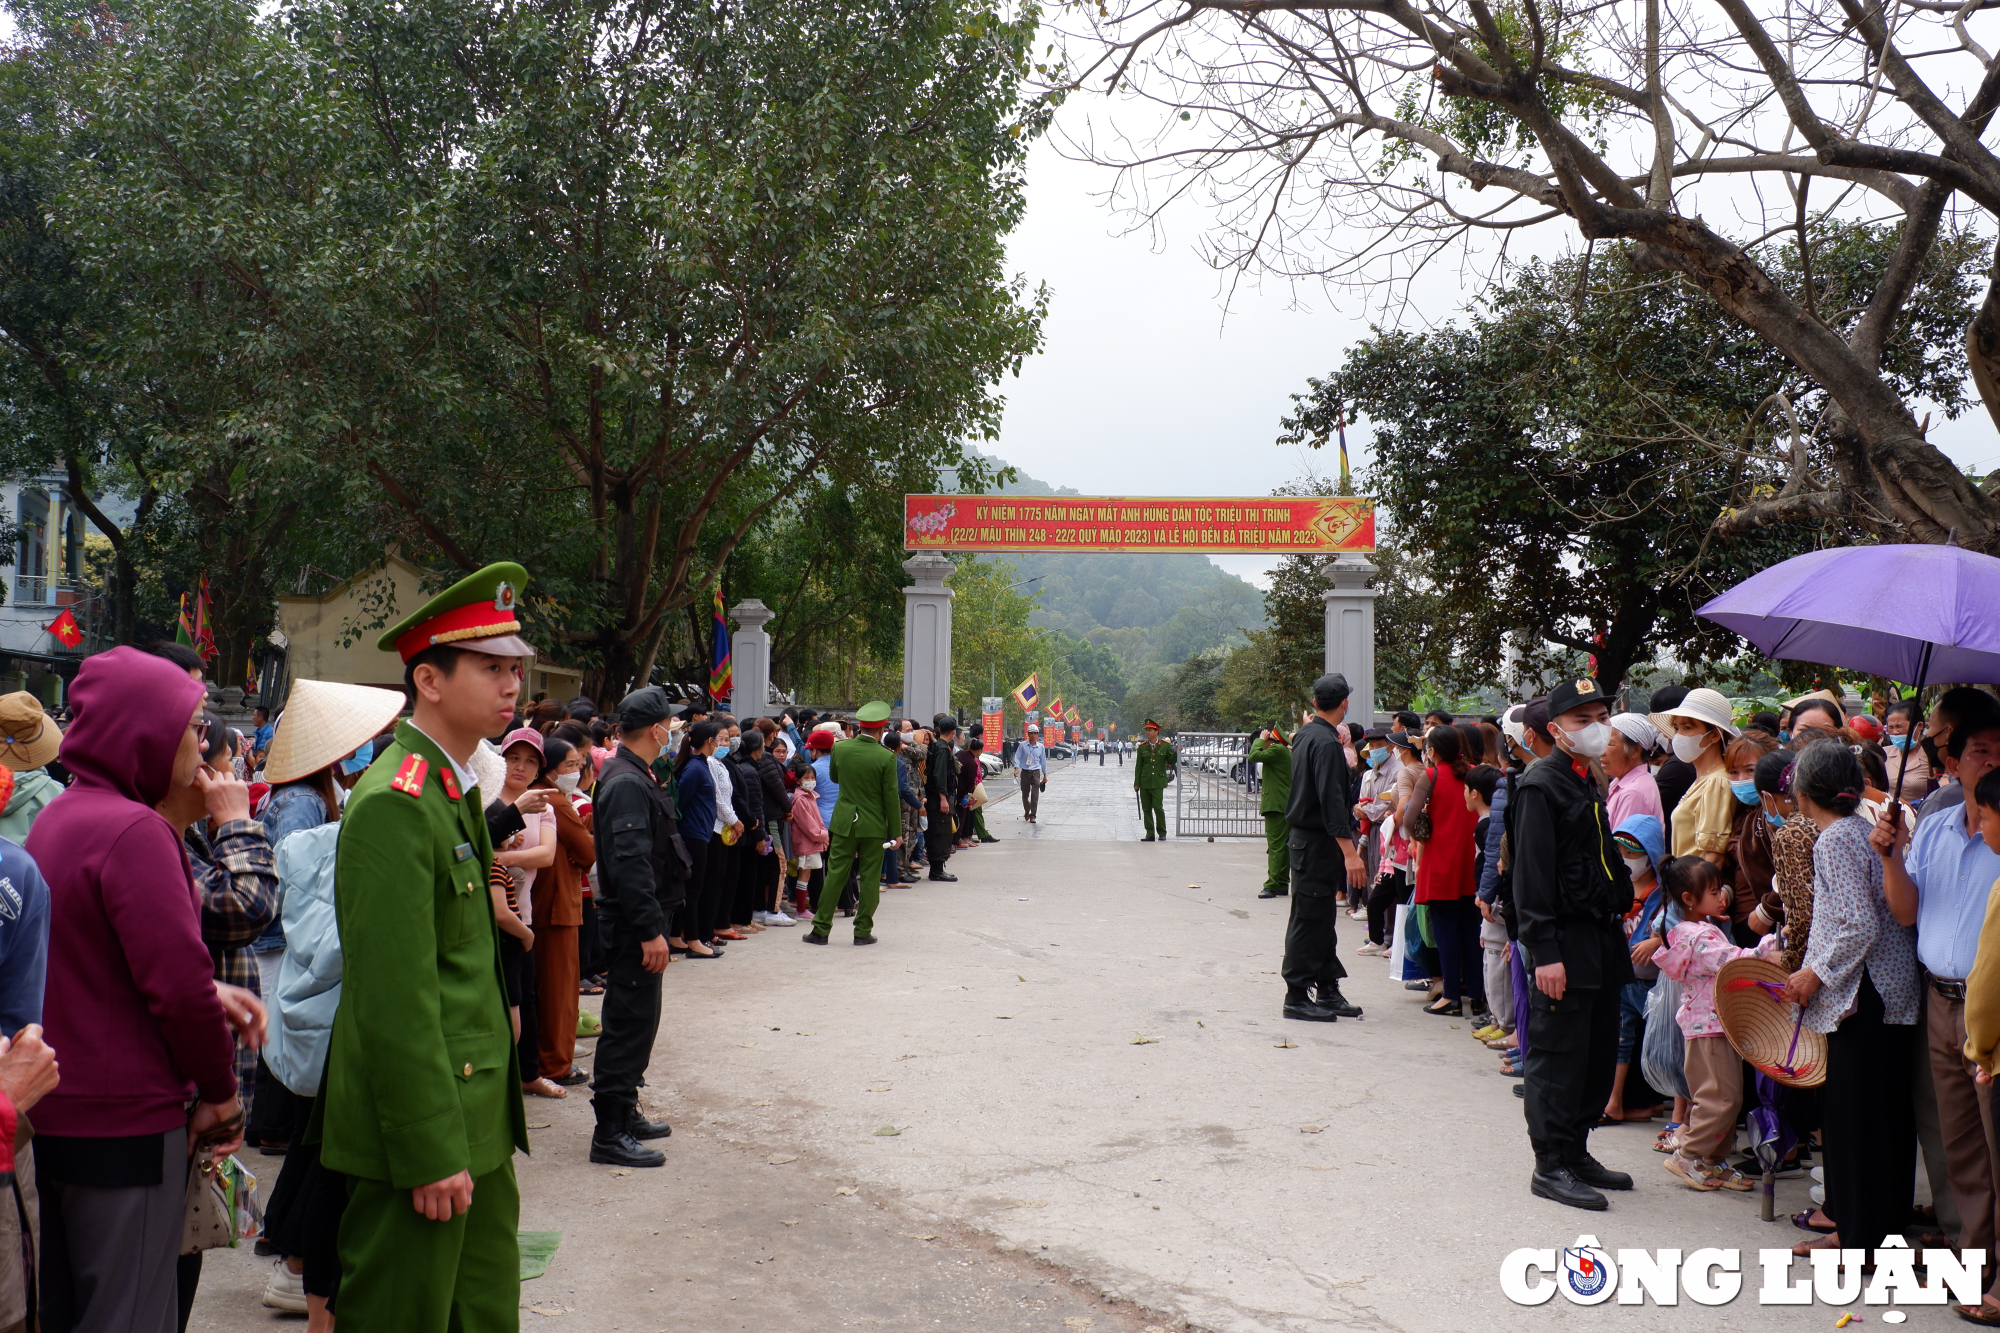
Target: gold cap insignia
{"x": 1586, "y": 686}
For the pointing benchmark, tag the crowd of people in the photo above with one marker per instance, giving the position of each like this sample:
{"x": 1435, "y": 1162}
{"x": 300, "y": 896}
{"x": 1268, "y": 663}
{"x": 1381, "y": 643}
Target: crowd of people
{"x": 392, "y": 904}
{"x": 1570, "y": 878}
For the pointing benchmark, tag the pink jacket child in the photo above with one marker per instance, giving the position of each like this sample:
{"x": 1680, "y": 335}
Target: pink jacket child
{"x": 1695, "y": 952}
{"x": 809, "y": 837}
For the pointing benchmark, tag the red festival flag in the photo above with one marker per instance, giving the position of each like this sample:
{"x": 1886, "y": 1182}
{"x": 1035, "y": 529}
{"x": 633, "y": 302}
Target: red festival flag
{"x": 66, "y": 630}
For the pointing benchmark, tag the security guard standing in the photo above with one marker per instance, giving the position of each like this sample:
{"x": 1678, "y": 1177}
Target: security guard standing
{"x": 1152, "y": 763}
{"x": 420, "y": 1105}
{"x": 1275, "y": 754}
{"x": 1325, "y": 860}
{"x": 640, "y": 879}
{"x": 867, "y": 813}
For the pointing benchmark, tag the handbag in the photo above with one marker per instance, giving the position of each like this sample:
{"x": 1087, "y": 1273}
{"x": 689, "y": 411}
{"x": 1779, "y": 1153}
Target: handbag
{"x": 1420, "y": 823}
{"x": 209, "y": 1222}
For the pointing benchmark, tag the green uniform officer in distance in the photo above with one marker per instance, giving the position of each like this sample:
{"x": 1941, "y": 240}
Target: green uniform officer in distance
{"x": 1271, "y": 750}
{"x": 867, "y": 813}
{"x": 1152, "y": 760}
{"x": 420, "y": 1104}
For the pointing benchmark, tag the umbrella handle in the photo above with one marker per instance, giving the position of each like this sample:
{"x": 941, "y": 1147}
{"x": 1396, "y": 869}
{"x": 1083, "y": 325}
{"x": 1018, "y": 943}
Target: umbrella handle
{"x": 1916, "y": 730}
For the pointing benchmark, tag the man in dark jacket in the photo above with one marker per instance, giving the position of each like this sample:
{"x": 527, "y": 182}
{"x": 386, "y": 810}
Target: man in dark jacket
{"x": 941, "y": 796}
{"x": 1570, "y": 889}
{"x": 1324, "y": 859}
{"x": 639, "y": 880}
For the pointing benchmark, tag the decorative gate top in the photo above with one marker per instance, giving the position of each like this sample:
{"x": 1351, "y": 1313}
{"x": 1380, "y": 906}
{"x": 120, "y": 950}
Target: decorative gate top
{"x": 1255, "y": 524}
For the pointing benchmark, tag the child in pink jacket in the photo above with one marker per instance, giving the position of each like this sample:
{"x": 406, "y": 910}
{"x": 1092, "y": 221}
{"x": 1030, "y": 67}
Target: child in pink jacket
{"x": 809, "y": 843}
{"x": 1696, "y": 950}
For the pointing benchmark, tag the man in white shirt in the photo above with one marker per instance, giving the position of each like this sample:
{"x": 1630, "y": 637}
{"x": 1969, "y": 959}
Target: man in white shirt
{"x": 1031, "y": 764}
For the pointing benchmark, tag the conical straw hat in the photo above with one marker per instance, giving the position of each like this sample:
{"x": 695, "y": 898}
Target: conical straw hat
{"x": 1764, "y": 1027}
{"x": 323, "y": 722}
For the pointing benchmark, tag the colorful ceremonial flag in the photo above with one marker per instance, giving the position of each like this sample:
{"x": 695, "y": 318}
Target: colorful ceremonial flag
{"x": 721, "y": 679}
{"x": 1028, "y": 695}
{"x": 193, "y": 628}
{"x": 66, "y": 630}
{"x": 1056, "y": 708}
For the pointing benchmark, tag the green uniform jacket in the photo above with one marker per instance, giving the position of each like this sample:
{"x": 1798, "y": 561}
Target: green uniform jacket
{"x": 1150, "y": 763}
{"x": 421, "y": 1077}
{"x": 1276, "y": 757}
{"x": 870, "y": 804}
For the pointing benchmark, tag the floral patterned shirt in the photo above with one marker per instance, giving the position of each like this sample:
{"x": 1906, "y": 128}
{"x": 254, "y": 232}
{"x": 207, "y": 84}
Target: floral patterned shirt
{"x": 1852, "y": 929}
{"x": 1792, "y": 872}
{"x": 1695, "y": 952}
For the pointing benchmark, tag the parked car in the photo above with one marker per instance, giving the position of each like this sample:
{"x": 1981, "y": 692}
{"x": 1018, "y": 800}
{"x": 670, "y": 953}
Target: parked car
{"x": 1061, "y": 752}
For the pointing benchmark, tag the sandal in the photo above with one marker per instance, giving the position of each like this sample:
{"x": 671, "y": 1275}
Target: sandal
{"x": 543, "y": 1087}
{"x": 1829, "y": 1241}
{"x": 1981, "y": 1313}
{"x": 590, "y": 986}
{"x": 1804, "y": 1222}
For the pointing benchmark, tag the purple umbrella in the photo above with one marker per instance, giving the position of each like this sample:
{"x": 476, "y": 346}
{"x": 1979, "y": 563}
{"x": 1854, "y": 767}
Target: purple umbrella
{"x": 1910, "y": 613}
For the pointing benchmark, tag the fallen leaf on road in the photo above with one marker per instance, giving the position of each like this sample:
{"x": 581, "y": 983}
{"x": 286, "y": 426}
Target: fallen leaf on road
{"x": 847, "y": 1189}
{"x": 780, "y": 1158}
{"x": 777, "y": 1029}
{"x": 809, "y": 1034}
{"x": 538, "y": 1124}
{"x": 1198, "y": 1023}
{"x": 746, "y": 1043}
{"x": 1079, "y": 1322}
{"x": 789, "y": 1221}
{"x": 887, "y": 1131}
{"x": 914, "y": 1236}
{"x": 1192, "y": 886}
{"x": 1145, "y": 1041}
{"x": 1003, "y": 1015}
{"x": 1287, "y": 1045}
{"x": 1312, "y": 1129}
{"x": 621, "y": 1171}
{"x": 1019, "y": 977}
{"x": 879, "y": 1087}
{"x": 760, "y": 1103}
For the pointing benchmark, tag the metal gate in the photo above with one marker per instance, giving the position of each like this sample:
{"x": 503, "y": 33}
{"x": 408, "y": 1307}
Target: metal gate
{"x": 1216, "y": 789}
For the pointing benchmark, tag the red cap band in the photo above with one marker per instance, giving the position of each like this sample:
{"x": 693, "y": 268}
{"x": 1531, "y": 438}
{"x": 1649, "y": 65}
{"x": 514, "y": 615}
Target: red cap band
{"x": 481, "y": 620}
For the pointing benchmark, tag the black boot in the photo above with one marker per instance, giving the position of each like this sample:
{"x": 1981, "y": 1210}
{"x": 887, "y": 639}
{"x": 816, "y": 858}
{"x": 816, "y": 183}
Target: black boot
{"x": 1593, "y": 1172}
{"x": 641, "y": 1128}
{"x": 1298, "y": 1005}
{"x": 1560, "y": 1184}
{"x": 943, "y": 877}
{"x": 617, "y": 1147}
{"x": 1331, "y": 998}
{"x": 1272, "y": 893}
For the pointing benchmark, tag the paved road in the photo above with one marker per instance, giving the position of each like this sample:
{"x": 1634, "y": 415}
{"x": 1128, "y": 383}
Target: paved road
{"x": 1080, "y": 1050}
{"x": 1085, "y": 801}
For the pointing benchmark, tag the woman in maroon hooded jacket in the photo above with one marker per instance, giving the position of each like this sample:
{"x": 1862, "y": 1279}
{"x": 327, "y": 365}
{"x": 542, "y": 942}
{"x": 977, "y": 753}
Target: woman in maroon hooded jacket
{"x": 131, "y": 1002}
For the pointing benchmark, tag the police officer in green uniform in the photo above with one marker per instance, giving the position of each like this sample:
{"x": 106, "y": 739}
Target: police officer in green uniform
{"x": 1151, "y": 764}
{"x": 420, "y": 1105}
{"x": 867, "y": 813}
{"x": 1271, "y": 750}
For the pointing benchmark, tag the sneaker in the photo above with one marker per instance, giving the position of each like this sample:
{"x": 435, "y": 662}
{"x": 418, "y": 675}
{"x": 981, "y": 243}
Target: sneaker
{"x": 779, "y": 919}
{"x": 757, "y": 917}
{"x": 1371, "y": 950}
{"x": 1819, "y": 1175}
{"x": 1729, "y": 1178}
{"x": 1818, "y": 1195}
{"x": 1694, "y": 1174}
{"x": 286, "y": 1290}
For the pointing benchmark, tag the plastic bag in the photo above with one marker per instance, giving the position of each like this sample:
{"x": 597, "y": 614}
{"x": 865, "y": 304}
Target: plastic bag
{"x": 1663, "y": 1054}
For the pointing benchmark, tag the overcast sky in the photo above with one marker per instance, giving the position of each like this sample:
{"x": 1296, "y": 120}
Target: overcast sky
{"x": 1150, "y": 385}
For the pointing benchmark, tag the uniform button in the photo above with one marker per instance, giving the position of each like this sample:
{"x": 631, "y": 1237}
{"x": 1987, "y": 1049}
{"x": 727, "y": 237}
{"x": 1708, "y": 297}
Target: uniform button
{"x": 468, "y": 1069}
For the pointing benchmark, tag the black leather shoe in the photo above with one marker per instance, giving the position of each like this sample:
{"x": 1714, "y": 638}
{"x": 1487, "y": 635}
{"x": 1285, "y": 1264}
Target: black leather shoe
{"x": 1272, "y": 893}
{"x": 1150, "y": 838}
{"x": 1307, "y": 1011}
{"x": 864, "y": 939}
{"x": 1593, "y": 1172}
{"x": 573, "y": 1078}
{"x": 1520, "y": 1091}
{"x": 943, "y": 877}
{"x": 641, "y": 1128}
{"x": 621, "y": 1149}
{"x": 813, "y": 937}
{"x": 1331, "y": 998}
{"x": 1562, "y": 1186}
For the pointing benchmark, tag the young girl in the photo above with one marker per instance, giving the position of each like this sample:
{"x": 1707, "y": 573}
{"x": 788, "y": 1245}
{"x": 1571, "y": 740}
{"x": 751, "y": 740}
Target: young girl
{"x": 1696, "y": 950}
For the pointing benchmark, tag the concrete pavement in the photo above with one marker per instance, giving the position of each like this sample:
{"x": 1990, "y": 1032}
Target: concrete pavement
{"x": 1079, "y": 1051}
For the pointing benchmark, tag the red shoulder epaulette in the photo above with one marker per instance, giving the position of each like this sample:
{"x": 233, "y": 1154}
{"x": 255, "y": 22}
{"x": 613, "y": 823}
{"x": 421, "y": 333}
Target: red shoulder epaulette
{"x": 450, "y": 781}
{"x": 409, "y": 779}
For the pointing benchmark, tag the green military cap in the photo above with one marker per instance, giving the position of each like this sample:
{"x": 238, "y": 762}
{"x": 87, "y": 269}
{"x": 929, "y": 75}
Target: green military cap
{"x": 873, "y": 713}
{"x": 477, "y": 613}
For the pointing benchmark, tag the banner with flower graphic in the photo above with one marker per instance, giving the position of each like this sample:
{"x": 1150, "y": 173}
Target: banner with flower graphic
{"x": 1257, "y": 525}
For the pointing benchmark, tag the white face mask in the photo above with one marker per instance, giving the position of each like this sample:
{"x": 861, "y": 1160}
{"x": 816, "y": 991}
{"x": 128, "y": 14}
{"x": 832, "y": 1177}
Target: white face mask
{"x": 807, "y": 783}
{"x": 1591, "y": 741}
{"x": 1639, "y": 866}
{"x": 1688, "y": 748}
{"x": 568, "y": 781}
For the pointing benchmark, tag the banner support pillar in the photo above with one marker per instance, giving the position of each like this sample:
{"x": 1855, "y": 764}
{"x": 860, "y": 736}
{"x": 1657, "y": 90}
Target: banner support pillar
{"x": 927, "y": 637}
{"x": 1350, "y": 631}
{"x": 750, "y": 659}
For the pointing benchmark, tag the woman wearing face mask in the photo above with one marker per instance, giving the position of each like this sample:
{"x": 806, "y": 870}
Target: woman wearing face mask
{"x": 1703, "y": 821}
{"x": 694, "y": 790}
{"x": 1792, "y": 839}
{"x": 1904, "y": 744}
{"x": 1445, "y": 882}
{"x": 557, "y": 897}
{"x": 1747, "y": 868}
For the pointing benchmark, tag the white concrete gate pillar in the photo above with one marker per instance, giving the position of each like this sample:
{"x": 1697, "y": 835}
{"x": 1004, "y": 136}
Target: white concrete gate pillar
{"x": 750, "y": 659}
{"x": 1350, "y": 632}
{"x": 927, "y": 637}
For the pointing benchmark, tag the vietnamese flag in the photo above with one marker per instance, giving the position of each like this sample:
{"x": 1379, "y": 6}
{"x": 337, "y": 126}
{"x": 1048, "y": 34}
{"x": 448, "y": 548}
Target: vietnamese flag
{"x": 66, "y": 630}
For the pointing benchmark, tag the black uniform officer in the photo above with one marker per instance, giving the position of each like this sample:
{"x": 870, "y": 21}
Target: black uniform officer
{"x": 1570, "y": 889}
{"x": 1324, "y": 860}
{"x": 941, "y": 795}
{"x": 641, "y": 878}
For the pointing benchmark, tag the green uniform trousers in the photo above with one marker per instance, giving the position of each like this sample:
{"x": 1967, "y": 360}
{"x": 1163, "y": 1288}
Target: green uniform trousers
{"x": 400, "y": 1270}
{"x": 841, "y": 855}
{"x": 1153, "y": 809}
{"x": 1277, "y": 854}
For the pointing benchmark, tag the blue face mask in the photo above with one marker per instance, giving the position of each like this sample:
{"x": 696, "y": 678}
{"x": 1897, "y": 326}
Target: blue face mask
{"x": 1900, "y": 742}
{"x": 725, "y": 747}
{"x": 1785, "y": 737}
{"x": 1377, "y": 758}
{"x": 1746, "y": 792}
{"x": 1776, "y": 821}
{"x": 360, "y": 761}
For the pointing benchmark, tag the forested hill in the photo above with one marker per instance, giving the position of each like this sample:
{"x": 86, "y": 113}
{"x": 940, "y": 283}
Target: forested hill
{"x": 1147, "y": 609}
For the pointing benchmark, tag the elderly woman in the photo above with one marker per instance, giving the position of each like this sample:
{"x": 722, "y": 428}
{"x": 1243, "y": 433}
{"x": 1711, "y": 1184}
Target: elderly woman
{"x": 1859, "y": 986}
